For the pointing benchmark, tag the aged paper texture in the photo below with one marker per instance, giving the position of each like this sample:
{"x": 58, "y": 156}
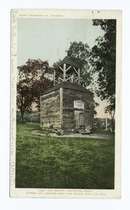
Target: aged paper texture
{"x": 66, "y": 103}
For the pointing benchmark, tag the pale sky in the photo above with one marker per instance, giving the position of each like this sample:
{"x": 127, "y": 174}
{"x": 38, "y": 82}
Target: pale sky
{"x": 48, "y": 39}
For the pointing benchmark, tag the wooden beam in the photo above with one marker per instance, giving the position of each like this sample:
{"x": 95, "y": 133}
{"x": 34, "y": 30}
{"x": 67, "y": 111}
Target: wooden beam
{"x": 68, "y": 68}
{"x": 61, "y": 79}
{"x": 62, "y": 69}
{"x": 79, "y": 76}
{"x": 61, "y": 107}
{"x": 68, "y": 78}
{"x": 75, "y": 70}
{"x": 64, "y": 72}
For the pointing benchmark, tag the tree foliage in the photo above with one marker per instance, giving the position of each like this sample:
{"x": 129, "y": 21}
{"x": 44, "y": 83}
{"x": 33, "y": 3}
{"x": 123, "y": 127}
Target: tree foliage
{"x": 103, "y": 60}
{"x": 31, "y": 83}
{"x": 81, "y": 51}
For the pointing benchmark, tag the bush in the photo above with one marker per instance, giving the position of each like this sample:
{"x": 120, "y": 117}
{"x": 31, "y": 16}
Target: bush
{"x": 29, "y": 117}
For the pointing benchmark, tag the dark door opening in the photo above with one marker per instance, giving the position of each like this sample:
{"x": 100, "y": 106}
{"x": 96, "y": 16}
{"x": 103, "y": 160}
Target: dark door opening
{"x": 79, "y": 119}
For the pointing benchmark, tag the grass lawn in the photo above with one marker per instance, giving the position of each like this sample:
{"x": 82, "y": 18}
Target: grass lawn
{"x": 50, "y": 162}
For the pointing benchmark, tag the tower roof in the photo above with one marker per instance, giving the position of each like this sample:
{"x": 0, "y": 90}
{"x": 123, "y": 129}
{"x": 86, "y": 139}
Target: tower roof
{"x": 68, "y": 85}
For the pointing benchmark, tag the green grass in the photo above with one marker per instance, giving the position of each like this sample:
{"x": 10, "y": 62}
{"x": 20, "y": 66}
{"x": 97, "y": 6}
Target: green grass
{"x": 50, "y": 162}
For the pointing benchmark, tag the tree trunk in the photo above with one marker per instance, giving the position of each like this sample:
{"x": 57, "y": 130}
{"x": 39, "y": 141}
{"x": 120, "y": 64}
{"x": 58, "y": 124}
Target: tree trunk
{"x": 113, "y": 121}
{"x": 113, "y": 124}
{"x": 22, "y": 116}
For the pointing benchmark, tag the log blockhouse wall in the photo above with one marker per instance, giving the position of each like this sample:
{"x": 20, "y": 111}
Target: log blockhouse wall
{"x": 58, "y": 109}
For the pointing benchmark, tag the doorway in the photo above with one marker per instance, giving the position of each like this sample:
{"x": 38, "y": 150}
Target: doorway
{"x": 79, "y": 119}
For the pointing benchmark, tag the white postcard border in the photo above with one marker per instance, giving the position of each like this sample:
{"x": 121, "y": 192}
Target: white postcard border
{"x": 66, "y": 193}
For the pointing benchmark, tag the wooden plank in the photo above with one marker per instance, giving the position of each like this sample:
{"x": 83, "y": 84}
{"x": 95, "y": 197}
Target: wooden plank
{"x": 61, "y": 106}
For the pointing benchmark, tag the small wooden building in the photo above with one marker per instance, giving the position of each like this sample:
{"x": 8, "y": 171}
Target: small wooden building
{"x": 68, "y": 105}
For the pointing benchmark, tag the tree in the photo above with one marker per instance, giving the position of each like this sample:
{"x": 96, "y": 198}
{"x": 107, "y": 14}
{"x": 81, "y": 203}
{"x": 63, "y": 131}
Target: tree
{"x": 32, "y": 81}
{"x": 103, "y": 60}
{"x": 24, "y": 98}
{"x": 81, "y": 52}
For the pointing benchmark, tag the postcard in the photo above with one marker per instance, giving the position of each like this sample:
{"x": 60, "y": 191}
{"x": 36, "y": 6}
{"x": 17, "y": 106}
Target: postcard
{"x": 66, "y": 103}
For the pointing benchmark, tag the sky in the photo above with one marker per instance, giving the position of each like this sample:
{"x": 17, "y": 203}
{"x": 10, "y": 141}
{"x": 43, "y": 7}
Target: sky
{"x": 48, "y": 39}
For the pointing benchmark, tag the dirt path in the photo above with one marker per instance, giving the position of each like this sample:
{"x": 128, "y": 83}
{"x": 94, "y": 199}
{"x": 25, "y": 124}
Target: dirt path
{"x": 76, "y": 135}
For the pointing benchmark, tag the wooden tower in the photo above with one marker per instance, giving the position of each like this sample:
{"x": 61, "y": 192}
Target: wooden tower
{"x": 68, "y": 105}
